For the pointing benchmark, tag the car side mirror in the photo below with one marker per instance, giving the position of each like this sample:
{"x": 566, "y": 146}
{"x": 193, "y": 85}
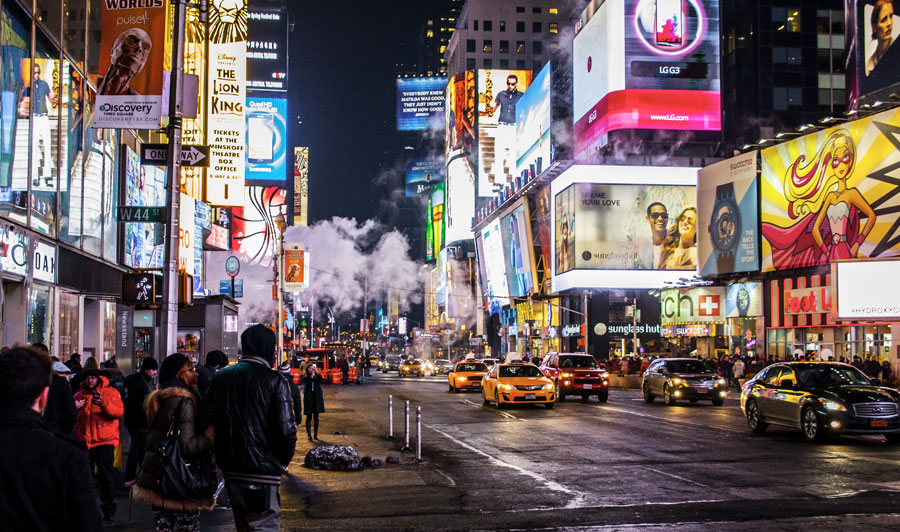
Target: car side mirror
{"x": 787, "y": 383}
{"x": 875, "y": 382}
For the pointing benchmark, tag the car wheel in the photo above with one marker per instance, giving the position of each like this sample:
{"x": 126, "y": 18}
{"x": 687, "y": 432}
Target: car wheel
{"x": 603, "y": 396}
{"x": 549, "y": 405}
{"x": 892, "y": 437}
{"x": 450, "y": 388}
{"x": 669, "y": 397}
{"x": 585, "y": 397}
{"x": 718, "y": 402}
{"x": 559, "y": 395}
{"x": 754, "y": 420}
{"x": 484, "y": 399}
{"x": 499, "y": 404}
{"x": 648, "y": 397}
{"x": 812, "y": 427}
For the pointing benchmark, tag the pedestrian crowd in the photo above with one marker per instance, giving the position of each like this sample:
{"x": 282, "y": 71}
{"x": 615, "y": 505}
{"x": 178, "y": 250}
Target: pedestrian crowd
{"x": 192, "y": 432}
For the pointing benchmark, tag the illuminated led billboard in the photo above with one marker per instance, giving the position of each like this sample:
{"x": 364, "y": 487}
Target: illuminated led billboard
{"x": 623, "y": 226}
{"x": 266, "y": 139}
{"x": 873, "y": 29}
{"x": 422, "y": 174}
{"x": 420, "y": 103}
{"x": 494, "y": 284}
{"x": 459, "y": 206}
{"x": 533, "y": 120}
{"x": 267, "y": 51}
{"x": 499, "y": 92}
{"x": 517, "y": 252}
{"x": 645, "y": 64}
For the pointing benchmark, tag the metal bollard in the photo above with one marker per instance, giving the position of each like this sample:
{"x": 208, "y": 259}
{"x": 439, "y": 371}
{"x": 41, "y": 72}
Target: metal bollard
{"x": 406, "y": 446}
{"x": 418, "y": 434}
{"x": 390, "y": 417}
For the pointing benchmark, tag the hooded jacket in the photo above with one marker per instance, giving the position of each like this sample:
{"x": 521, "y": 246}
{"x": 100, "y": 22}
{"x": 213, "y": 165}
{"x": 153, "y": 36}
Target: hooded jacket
{"x": 190, "y": 440}
{"x": 99, "y": 424}
{"x": 250, "y": 409}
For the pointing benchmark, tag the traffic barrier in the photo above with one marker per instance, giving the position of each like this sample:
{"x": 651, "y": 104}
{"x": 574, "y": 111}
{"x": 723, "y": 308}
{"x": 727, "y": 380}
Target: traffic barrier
{"x": 418, "y": 434}
{"x": 295, "y": 375}
{"x": 390, "y": 417}
{"x": 406, "y": 446}
{"x": 336, "y": 376}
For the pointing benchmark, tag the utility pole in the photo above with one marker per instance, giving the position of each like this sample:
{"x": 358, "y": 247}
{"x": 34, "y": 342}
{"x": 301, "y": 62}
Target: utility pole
{"x": 365, "y": 342}
{"x": 634, "y": 324}
{"x": 173, "y": 171}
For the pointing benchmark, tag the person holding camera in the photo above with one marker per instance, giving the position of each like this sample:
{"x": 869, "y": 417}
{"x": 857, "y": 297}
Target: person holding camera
{"x": 313, "y": 400}
{"x": 99, "y": 409}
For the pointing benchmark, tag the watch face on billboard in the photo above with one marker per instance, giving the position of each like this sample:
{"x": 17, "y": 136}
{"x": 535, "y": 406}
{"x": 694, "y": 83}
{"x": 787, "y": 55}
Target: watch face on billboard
{"x": 420, "y": 103}
{"x": 830, "y": 195}
{"x": 533, "y": 143}
{"x": 267, "y": 57}
{"x": 499, "y": 92}
{"x": 877, "y": 55}
{"x": 646, "y": 64}
{"x": 728, "y": 203}
{"x": 266, "y": 139}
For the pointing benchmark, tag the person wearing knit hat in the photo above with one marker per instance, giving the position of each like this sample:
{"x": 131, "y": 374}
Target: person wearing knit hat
{"x": 285, "y": 370}
{"x": 137, "y": 387}
{"x": 170, "y": 367}
{"x": 249, "y": 406}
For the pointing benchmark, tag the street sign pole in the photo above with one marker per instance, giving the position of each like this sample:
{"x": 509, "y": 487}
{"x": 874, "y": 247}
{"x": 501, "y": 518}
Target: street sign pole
{"x": 173, "y": 167}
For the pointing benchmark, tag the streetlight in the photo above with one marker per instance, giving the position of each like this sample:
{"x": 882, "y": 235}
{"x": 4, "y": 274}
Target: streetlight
{"x": 279, "y": 225}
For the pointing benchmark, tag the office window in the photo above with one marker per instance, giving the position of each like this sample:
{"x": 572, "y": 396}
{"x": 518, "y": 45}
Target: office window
{"x": 470, "y": 64}
{"x": 535, "y": 10}
{"x": 430, "y": 22}
{"x": 535, "y": 27}
{"x": 502, "y": 25}
{"x": 537, "y": 47}
{"x": 475, "y": 25}
{"x": 554, "y": 45}
{"x": 554, "y": 27}
{"x": 520, "y": 26}
{"x": 536, "y": 66}
{"x": 831, "y": 61}
{"x": 553, "y": 11}
{"x": 504, "y": 47}
{"x": 487, "y": 46}
{"x": 829, "y": 21}
{"x": 470, "y": 46}
{"x": 785, "y": 98}
{"x": 429, "y": 33}
{"x": 520, "y": 9}
{"x": 520, "y": 47}
{"x": 786, "y": 56}
{"x": 785, "y": 19}
{"x": 488, "y": 63}
{"x": 504, "y": 63}
{"x": 520, "y": 64}
{"x": 488, "y": 25}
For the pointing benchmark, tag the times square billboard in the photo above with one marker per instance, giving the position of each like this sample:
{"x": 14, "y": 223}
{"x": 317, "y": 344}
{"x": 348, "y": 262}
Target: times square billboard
{"x": 645, "y": 64}
{"x": 420, "y": 103}
{"x": 873, "y": 62}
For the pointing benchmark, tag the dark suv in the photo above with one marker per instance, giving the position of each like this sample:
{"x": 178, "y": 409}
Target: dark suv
{"x": 576, "y": 374}
{"x": 682, "y": 378}
{"x": 821, "y": 399}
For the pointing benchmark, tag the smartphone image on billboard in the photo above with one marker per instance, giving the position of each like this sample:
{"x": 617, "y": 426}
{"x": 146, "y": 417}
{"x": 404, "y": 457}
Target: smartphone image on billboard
{"x": 260, "y": 138}
{"x": 670, "y": 23}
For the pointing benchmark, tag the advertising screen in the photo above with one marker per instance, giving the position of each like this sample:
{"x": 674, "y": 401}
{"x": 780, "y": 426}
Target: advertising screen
{"x": 494, "y": 284}
{"x": 499, "y": 92}
{"x": 438, "y": 223}
{"x": 301, "y": 185}
{"x": 267, "y": 51}
{"x": 144, "y": 186}
{"x": 266, "y": 139}
{"x": 831, "y": 195}
{"x": 744, "y": 299}
{"x": 420, "y": 103}
{"x": 253, "y": 232}
{"x": 877, "y": 60}
{"x": 422, "y": 174}
{"x": 861, "y": 293}
{"x": 517, "y": 252}
{"x": 459, "y": 204}
{"x": 459, "y": 114}
{"x": 429, "y": 230}
{"x": 728, "y": 203}
{"x": 645, "y": 64}
{"x": 533, "y": 148}
{"x": 625, "y": 227}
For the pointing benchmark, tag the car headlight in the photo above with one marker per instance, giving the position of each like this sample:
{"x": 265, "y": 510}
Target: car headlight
{"x": 461, "y": 379}
{"x": 567, "y": 375}
{"x": 506, "y": 387}
{"x": 721, "y": 382}
{"x": 834, "y": 405}
{"x": 548, "y": 386}
{"x": 677, "y": 381}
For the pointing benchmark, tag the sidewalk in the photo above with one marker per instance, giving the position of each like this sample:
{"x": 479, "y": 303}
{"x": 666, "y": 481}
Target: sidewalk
{"x": 349, "y": 410}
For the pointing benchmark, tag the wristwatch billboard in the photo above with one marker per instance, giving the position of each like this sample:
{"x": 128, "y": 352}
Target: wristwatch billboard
{"x": 743, "y": 301}
{"x": 725, "y": 228}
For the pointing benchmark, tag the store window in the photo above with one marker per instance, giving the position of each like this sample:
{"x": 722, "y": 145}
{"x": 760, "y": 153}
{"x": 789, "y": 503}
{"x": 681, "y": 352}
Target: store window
{"x": 69, "y": 314}
{"x": 108, "y": 309}
{"x": 48, "y": 15}
{"x": 72, "y": 169}
{"x": 110, "y": 195}
{"x": 15, "y": 34}
{"x": 40, "y": 315}
{"x": 73, "y": 29}
{"x": 44, "y": 94}
{"x": 92, "y": 49}
{"x": 93, "y": 182}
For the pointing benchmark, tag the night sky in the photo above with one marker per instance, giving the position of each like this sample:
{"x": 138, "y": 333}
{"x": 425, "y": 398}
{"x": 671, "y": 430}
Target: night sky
{"x": 343, "y": 57}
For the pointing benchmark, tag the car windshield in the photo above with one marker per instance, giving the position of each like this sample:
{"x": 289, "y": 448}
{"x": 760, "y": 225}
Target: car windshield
{"x": 826, "y": 375}
{"x": 412, "y": 362}
{"x": 472, "y": 366}
{"x": 520, "y": 371}
{"x": 686, "y": 366}
{"x": 577, "y": 362}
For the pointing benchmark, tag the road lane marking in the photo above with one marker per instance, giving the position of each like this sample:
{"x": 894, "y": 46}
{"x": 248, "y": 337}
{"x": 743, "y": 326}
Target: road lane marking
{"x": 547, "y": 483}
{"x": 445, "y": 475}
{"x": 674, "y": 476}
{"x": 677, "y": 421}
{"x": 502, "y": 413}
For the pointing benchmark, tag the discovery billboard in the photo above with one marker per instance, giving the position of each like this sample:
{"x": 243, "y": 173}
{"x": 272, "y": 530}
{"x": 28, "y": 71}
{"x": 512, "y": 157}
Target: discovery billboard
{"x": 645, "y": 64}
{"x": 499, "y": 92}
{"x": 266, "y": 139}
{"x": 420, "y": 103}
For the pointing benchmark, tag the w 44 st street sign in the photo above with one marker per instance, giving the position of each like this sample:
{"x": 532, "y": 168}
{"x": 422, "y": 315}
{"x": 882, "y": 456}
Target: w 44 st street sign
{"x": 140, "y": 214}
{"x": 191, "y": 155}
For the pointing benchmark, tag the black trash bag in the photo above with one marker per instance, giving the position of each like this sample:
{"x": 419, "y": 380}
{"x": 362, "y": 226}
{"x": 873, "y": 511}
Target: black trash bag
{"x": 333, "y": 458}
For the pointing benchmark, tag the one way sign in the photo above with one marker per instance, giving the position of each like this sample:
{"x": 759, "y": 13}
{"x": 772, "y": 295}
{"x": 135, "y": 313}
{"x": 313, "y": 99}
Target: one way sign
{"x": 191, "y": 155}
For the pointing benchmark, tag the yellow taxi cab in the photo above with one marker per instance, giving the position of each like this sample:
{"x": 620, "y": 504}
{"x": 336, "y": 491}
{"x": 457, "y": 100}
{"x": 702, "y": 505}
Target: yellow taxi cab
{"x": 467, "y": 375}
{"x": 517, "y": 383}
{"x": 412, "y": 366}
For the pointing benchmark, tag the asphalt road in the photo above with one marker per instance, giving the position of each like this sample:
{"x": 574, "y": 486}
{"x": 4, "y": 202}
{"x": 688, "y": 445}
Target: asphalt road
{"x": 618, "y": 465}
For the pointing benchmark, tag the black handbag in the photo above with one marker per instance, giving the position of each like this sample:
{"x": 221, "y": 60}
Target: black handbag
{"x": 187, "y": 479}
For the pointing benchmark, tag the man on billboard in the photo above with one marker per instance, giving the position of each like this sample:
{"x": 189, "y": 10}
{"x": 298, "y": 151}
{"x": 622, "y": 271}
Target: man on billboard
{"x": 651, "y": 256}
{"x": 129, "y": 54}
{"x": 44, "y": 101}
{"x": 506, "y": 123}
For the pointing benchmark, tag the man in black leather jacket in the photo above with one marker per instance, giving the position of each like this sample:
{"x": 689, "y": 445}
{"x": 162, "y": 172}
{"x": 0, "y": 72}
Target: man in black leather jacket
{"x": 249, "y": 407}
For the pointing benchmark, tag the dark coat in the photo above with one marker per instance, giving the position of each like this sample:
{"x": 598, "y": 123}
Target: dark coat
{"x": 137, "y": 387}
{"x": 312, "y": 394}
{"x": 250, "y": 408}
{"x": 204, "y": 377}
{"x": 60, "y": 412}
{"x": 44, "y": 478}
{"x": 191, "y": 441}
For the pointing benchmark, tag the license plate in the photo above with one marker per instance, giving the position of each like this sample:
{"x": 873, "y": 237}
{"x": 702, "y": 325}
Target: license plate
{"x": 588, "y": 386}
{"x": 476, "y": 384}
{"x": 530, "y": 397}
{"x": 878, "y": 423}
{"x": 702, "y": 390}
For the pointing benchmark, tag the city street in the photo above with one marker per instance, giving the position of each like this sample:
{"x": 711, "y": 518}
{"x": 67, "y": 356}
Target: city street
{"x": 623, "y": 464}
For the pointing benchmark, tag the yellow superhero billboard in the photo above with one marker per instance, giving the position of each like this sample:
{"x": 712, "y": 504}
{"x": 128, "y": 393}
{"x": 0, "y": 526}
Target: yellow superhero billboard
{"x": 832, "y": 195}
